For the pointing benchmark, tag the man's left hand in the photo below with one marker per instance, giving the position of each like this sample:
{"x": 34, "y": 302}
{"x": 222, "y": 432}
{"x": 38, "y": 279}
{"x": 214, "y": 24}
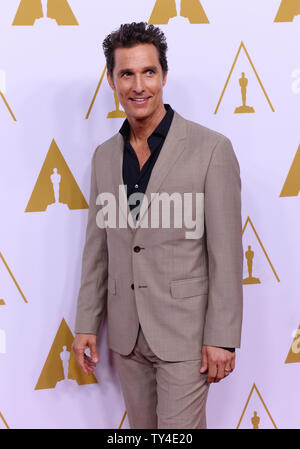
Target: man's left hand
{"x": 219, "y": 363}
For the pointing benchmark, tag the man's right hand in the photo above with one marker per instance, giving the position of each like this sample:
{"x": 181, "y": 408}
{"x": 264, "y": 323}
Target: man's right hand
{"x": 80, "y": 344}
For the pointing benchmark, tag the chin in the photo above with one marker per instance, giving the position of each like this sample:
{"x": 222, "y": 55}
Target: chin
{"x": 140, "y": 114}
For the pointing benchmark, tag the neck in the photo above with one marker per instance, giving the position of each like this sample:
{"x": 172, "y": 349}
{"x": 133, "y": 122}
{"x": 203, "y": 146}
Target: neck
{"x": 143, "y": 128}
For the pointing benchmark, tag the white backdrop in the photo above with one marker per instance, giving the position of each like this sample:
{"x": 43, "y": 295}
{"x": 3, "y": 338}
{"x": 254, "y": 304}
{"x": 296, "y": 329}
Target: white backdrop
{"x": 48, "y": 78}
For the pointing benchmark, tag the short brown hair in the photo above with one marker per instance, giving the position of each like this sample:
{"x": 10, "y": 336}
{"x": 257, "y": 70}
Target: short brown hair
{"x": 130, "y": 34}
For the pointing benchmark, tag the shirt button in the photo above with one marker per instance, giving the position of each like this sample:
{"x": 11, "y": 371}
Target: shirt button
{"x": 136, "y": 249}
{"x": 136, "y": 186}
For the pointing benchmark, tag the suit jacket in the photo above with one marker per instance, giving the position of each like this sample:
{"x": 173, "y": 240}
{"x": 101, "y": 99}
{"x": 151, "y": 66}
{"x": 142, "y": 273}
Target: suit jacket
{"x": 184, "y": 288}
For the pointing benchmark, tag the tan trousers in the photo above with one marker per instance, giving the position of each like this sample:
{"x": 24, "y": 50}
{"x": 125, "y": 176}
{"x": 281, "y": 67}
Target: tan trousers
{"x": 160, "y": 394}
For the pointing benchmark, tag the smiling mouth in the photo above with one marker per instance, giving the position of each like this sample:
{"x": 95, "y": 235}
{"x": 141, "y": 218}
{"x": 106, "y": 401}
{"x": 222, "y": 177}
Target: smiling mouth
{"x": 140, "y": 100}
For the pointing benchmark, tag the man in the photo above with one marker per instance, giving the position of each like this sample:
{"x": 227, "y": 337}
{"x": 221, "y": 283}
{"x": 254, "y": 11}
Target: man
{"x": 173, "y": 299}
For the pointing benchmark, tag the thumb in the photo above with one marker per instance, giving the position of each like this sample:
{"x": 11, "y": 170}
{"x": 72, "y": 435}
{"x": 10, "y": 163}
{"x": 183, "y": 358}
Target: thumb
{"x": 204, "y": 364}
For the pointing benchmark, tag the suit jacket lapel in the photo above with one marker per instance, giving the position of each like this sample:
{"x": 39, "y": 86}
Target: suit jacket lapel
{"x": 173, "y": 146}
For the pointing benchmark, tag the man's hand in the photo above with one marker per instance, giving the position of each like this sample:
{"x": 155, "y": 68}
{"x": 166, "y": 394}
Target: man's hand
{"x": 219, "y": 363}
{"x": 80, "y": 344}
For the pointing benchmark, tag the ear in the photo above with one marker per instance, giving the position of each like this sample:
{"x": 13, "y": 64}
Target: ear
{"x": 110, "y": 81}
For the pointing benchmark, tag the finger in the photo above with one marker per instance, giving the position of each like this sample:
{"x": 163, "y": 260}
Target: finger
{"x": 81, "y": 360}
{"x": 89, "y": 360}
{"x": 227, "y": 370}
{"x": 233, "y": 363}
{"x": 204, "y": 364}
{"x": 94, "y": 352}
{"x": 229, "y": 365}
{"x": 220, "y": 373}
{"x": 212, "y": 372}
{"x": 89, "y": 367}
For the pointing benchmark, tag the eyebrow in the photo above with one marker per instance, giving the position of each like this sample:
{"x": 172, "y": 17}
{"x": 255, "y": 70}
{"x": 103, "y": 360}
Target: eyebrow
{"x": 152, "y": 67}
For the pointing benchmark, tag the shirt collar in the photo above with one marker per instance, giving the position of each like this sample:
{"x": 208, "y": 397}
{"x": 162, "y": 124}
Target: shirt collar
{"x": 161, "y": 129}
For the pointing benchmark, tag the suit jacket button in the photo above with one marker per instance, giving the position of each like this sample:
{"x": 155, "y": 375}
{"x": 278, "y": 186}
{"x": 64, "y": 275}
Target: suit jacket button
{"x": 136, "y": 249}
{"x": 132, "y": 286}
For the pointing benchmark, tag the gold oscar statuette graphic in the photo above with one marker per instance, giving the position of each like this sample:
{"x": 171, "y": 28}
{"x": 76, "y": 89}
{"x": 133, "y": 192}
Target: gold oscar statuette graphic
{"x": 249, "y": 254}
{"x": 46, "y": 10}
{"x": 294, "y": 352}
{"x": 255, "y": 419}
{"x": 250, "y": 279}
{"x": 3, "y": 420}
{"x": 14, "y": 280}
{"x": 116, "y": 113}
{"x": 2, "y": 302}
{"x": 243, "y": 84}
{"x": 287, "y": 11}
{"x": 244, "y": 108}
{"x": 291, "y": 186}
{"x": 55, "y": 187}
{"x": 164, "y": 10}
{"x": 61, "y": 369}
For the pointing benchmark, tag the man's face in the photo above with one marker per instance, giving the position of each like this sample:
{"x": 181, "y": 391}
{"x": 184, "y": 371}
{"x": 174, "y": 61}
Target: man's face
{"x": 137, "y": 75}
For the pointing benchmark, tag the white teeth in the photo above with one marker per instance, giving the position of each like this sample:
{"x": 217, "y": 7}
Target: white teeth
{"x": 139, "y": 99}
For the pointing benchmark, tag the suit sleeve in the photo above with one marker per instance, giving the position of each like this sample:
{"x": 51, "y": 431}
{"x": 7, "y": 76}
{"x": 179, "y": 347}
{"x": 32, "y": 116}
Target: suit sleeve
{"x": 223, "y": 228}
{"x": 92, "y": 297}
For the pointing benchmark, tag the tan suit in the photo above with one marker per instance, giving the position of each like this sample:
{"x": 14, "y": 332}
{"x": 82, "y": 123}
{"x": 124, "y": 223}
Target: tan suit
{"x": 187, "y": 291}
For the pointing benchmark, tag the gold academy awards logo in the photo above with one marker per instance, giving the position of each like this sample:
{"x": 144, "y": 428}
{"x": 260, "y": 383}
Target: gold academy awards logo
{"x": 61, "y": 369}
{"x": 164, "y": 10}
{"x": 3, "y": 423}
{"x": 291, "y": 186}
{"x": 115, "y": 113}
{"x": 294, "y": 352}
{"x": 243, "y": 85}
{"x": 287, "y": 11}
{"x": 2, "y": 301}
{"x": 46, "y": 10}
{"x": 55, "y": 188}
{"x": 255, "y": 414}
{"x": 2, "y": 92}
{"x": 249, "y": 255}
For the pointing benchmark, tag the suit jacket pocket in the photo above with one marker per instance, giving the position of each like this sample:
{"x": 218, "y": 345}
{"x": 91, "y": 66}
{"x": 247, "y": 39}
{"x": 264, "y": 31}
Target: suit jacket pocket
{"x": 185, "y": 288}
{"x": 111, "y": 285}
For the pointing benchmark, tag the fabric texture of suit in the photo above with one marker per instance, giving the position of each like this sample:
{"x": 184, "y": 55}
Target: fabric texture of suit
{"x": 187, "y": 291}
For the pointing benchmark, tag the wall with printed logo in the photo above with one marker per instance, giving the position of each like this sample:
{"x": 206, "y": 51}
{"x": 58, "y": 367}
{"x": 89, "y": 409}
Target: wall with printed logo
{"x": 236, "y": 66}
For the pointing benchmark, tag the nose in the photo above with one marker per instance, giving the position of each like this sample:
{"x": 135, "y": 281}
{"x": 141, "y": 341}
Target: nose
{"x": 138, "y": 86}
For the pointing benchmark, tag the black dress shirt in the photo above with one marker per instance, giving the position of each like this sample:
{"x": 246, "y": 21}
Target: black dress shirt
{"x": 136, "y": 179}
